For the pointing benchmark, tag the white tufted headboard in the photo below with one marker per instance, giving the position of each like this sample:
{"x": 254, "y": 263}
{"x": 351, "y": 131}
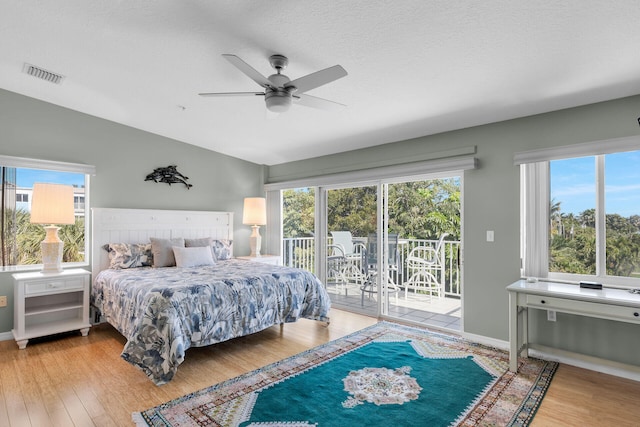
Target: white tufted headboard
{"x": 137, "y": 225}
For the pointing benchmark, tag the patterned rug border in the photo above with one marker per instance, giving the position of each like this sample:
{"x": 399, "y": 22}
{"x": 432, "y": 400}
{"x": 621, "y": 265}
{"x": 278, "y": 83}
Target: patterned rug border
{"x": 538, "y": 372}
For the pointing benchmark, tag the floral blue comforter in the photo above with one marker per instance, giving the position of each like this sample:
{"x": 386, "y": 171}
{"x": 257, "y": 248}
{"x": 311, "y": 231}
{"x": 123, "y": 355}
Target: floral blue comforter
{"x": 164, "y": 311}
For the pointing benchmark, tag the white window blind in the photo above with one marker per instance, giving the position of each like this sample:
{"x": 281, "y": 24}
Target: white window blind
{"x": 617, "y": 145}
{"x": 381, "y": 173}
{"x": 23, "y": 162}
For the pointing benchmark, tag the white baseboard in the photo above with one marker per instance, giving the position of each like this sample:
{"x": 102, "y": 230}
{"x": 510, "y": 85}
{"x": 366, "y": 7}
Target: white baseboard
{"x": 491, "y": 342}
{"x": 6, "y": 336}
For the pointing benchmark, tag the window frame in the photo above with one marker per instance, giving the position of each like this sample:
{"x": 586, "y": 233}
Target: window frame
{"x": 87, "y": 170}
{"x": 534, "y": 209}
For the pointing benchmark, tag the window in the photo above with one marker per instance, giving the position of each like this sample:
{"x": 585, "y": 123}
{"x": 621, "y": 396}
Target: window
{"x": 581, "y": 217}
{"x": 572, "y": 206}
{"x": 78, "y": 203}
{"x": 298, "y": 227}
{"x": 19, "y": 239}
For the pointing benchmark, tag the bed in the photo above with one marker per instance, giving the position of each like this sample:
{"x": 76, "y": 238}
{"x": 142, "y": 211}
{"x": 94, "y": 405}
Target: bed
{"x": 162, "y": 311}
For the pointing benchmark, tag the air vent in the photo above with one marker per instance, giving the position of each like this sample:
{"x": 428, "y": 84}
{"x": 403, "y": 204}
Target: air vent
{"x": 43, "y": 74}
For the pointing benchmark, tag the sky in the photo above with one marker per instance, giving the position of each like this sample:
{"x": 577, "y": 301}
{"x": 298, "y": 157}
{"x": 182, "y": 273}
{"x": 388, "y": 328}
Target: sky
{"x": 573, "y": 184}
{"x": 27, "y": 177}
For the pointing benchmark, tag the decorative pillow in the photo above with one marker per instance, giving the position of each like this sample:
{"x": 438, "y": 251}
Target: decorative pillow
{"x": 196, "y": 243}
{"x": 222, "y": 249}
{"x": 193, "y": 257}
{"x": 129, "y": 255}
{"x": 163, "y": 251}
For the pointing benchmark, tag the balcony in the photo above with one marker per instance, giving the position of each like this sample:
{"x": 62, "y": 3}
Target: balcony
{"x": 417, "y": 307}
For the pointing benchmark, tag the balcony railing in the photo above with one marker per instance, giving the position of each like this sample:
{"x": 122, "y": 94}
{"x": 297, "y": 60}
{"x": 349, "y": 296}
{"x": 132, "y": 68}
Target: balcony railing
{"x": 300, "y": 252}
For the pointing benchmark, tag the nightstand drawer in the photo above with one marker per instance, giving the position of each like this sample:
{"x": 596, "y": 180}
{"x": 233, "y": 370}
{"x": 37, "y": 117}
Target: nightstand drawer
{"x": 53, "y": 285}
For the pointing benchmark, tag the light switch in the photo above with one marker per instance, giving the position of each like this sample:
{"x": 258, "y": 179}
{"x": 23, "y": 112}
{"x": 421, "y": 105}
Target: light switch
{"x": 489, "y": 235}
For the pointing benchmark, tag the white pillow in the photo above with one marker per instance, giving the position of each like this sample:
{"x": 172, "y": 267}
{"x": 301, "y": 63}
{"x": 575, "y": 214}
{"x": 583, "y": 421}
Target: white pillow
{"x": 193, "y": 257}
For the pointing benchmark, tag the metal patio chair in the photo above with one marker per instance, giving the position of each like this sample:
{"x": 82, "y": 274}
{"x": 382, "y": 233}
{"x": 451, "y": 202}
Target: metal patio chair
{"x": 347, "y": 257}
{"x": 370, "y": 264}
{"x": 425, "y": 265}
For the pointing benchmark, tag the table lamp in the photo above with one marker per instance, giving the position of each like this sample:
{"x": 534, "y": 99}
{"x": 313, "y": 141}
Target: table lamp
{"x": 52, "y": 204}
{"x": 255, "y": 215}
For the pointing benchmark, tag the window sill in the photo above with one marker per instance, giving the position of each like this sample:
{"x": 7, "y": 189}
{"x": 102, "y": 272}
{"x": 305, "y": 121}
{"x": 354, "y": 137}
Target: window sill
{"x": 607, "y": 281}
{"x": 37, "y": 267}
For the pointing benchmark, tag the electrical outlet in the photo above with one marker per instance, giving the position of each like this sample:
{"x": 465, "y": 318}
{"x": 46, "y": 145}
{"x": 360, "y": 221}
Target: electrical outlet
{"x": 551, "y": 315}
{"x": 3, "y": 301}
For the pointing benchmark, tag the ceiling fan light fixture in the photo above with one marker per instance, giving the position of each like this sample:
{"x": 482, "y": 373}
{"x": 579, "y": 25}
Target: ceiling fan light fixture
{"x": 278, "y": 102}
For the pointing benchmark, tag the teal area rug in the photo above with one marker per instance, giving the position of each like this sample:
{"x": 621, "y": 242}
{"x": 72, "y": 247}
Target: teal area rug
{"x": 384, "y": 375}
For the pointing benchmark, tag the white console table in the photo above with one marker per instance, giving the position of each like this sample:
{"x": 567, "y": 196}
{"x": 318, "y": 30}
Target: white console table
{"x": 607, "y": 303}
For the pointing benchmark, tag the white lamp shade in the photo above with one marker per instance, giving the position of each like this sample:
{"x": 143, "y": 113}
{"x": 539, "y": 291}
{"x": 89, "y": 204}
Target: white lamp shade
{"x": 52, "y": 204}
{"x": 255, "y": 211}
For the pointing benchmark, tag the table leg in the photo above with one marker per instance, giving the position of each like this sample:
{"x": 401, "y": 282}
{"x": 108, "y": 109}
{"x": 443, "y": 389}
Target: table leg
{"x": 513, "y": 332}
{"x": 525, "y": 331}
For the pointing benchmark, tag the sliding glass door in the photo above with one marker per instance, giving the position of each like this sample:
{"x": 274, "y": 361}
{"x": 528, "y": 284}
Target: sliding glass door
{"x": 383, "y": 248}
{"x": 425, "y": 215}
{"x": 351, "y": 222}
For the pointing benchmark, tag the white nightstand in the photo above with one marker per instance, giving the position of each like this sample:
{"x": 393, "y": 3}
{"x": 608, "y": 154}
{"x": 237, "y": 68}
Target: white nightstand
{"x": 50, "y": 303}
{"x": 265, "y": 259}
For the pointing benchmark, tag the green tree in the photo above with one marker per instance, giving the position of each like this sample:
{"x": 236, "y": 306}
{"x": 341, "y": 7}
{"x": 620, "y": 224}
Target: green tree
{"x": 572, "y": 246}
{"x": 425, "y": 209}
{"x": 417, "y": 210}
{"x": 8, "y": 237}
{"x": 353, "y": 209}
{"x": 298, "y": 212}
{"x": 588, "y": 218}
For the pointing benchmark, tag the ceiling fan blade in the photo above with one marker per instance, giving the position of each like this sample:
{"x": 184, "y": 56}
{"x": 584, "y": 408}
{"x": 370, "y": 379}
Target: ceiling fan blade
{"x": 319, "y": 78}
{"x": 248, "y": 70}
{"x": 315, "y": 102}
{"x": 232, "y": 94}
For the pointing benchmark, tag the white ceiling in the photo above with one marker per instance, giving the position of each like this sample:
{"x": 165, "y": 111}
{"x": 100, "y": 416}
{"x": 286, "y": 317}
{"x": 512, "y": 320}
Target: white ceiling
{"x": 416, "y": 67}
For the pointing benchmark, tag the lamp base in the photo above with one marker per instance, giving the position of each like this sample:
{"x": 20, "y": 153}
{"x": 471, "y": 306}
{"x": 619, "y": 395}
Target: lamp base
{"x": 255, "y": 241}
{"x": 52, "y": 248}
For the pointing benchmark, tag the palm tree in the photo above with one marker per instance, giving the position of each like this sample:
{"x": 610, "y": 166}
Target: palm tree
{"x": 73, "y": 238}
{"x": 29, "y": 238}
{"x": 555, "y": 217}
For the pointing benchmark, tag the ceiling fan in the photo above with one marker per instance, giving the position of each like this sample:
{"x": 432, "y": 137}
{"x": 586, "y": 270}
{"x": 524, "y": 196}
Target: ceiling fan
{"x": 280, "y": 91}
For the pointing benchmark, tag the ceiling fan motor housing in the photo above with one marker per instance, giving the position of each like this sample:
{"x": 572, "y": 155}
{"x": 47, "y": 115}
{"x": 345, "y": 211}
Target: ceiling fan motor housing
{"x": 278, "y": 98}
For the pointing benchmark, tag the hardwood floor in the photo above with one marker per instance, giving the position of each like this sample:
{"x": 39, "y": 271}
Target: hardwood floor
{"x": 82, "y": 381}
{"x": 579, "y": 397}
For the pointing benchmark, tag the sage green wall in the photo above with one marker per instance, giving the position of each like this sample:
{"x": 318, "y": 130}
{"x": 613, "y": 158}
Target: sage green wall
{"x": 123, "y": 156}
{"x": 491, "y": 202}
